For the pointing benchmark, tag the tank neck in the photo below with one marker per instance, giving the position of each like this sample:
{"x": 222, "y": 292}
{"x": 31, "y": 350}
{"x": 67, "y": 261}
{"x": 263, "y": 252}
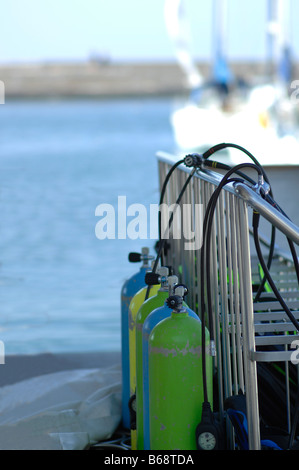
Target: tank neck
{"x": 146, "y": 258}
{"x": 145, "y": 267}
{"x": 182, "y": 314}
{"x": 164, "y": 284}
{"x": 164, "y": 288}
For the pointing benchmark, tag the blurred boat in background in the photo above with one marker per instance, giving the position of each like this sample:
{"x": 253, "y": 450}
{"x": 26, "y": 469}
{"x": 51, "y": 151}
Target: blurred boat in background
{"x": 261, "y": 114}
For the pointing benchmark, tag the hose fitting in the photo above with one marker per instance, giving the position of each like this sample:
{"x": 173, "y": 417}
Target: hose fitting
{"x": 193, "y": 160}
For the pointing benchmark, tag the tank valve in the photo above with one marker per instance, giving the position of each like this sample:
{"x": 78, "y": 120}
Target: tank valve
{"x": 175, "y": 302}
{"x": 143, "y": 256}
{"x": 159, "y": 277}
{"x": 181, "y": 289}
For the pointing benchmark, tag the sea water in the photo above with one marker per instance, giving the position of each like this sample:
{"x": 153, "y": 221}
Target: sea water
{"x": 59, "y": 160}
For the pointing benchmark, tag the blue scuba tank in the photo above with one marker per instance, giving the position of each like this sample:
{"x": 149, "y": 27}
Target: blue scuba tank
{"x": 129, "y": 289}
{"x": 155, "y": 317}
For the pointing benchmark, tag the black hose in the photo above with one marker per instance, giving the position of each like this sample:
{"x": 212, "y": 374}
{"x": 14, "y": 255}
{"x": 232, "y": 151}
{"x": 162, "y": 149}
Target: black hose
{"x": 223, "y": 166}
{"x": 224, "y": 145}
{"x": 294, "y": 424}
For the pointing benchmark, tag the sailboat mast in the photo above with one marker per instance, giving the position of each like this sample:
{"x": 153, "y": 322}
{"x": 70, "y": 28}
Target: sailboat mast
{"x": 279, "y": 40}
{"x": 284, "y": 45}
{"x": 222, "y": 74}
{"x": 220, "y": 15}
{"x": 178, "y": 28}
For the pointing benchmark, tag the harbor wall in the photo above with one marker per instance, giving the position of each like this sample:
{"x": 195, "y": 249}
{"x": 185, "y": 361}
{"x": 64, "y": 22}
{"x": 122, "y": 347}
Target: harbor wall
{"x": 95, "y": 79}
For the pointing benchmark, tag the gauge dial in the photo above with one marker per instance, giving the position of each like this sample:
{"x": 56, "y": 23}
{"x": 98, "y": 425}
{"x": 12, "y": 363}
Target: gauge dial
{"x": 207, "y": 441}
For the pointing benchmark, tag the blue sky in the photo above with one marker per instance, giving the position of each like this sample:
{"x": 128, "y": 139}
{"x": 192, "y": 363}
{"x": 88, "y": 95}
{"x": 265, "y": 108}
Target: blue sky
{"x": 134, "y": 30}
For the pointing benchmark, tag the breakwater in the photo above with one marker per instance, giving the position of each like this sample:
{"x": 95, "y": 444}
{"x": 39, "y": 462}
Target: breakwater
{"x": 95, "y": 79}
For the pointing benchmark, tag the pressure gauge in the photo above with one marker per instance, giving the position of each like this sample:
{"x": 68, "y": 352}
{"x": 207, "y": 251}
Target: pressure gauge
{"x": 206, "y": 431}
{"x": 207, "y": 440}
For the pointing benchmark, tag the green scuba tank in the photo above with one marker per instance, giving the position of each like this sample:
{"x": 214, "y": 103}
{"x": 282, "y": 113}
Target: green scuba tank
{"x": 166, "y": 282}
{"x": 149, "y": 324}
{"x": 176, "y": 379}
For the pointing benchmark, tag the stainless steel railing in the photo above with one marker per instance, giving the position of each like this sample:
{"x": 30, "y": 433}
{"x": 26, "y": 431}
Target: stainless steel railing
{"x": 241, "y": 327}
